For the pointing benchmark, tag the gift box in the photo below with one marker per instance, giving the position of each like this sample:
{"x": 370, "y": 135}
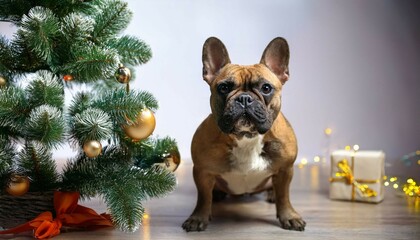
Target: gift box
{"x": 357, "y": 176}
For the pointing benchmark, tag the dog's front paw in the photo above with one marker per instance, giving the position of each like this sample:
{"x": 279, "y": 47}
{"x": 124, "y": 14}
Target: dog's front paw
{"x": 195, "y": 224}
{"x": 291, "y": 220}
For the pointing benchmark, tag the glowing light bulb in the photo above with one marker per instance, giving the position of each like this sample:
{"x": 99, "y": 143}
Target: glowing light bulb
{"x": 304, "y": 161}
{"x": 395, "y": 186}
{"x": 347, "y": 148}
{"x": 356, "y": 147}
{"x": 317, "y": 159}
{"x": 386, "y": 184}
{"x": 328, "y": 131}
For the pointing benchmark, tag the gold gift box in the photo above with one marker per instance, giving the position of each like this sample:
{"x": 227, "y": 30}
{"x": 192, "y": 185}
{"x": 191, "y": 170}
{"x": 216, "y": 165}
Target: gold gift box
{"x": 357, "y": 176}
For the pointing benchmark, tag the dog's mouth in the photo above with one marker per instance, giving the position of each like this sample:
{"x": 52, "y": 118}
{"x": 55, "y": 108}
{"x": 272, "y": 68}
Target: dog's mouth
{"x": 241, "y": 127}
{"x": 244, "y": 128}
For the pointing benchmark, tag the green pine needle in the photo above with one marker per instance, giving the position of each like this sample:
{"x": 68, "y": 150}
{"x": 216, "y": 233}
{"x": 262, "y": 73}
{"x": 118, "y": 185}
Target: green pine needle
{"x": 154, "y": 182}
{"x": 13, "y": 108}
{"x": 124, "y": 204}
{"x": 113, "y": 17}
{"x": 7, "y": 154}
{"x": 46, "y": 89}
{"x": 36, "y": 162}
{"x": 89, "y": 175}
{"x": 6, "y": 58}
{"x": 81, "y": 101}
{"x": 80, "y": 174}
{"x": 131, "y": 186}
{"x": 38, "y": 29}
{"x": 91, "y": 124}
{"x": 132, "y": 50}
{"x": 154, "y": 151}
{"x": 91, "y": 63}
{"x": 122, "y": 105}
{"x": 76, "y": 27}
{"x": 46, "y": 125}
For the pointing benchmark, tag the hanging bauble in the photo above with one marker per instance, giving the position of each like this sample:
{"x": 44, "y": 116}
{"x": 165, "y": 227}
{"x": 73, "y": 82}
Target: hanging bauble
{"x": 3, "y": 82}
{"x": 92, "y": 148}
{"x": 171, "y": 161}
{"x": 143, "y": 126}
{"x": 18, "y": 185}
{"x": 68, "y": 77}
{"x": 123, "y": 74}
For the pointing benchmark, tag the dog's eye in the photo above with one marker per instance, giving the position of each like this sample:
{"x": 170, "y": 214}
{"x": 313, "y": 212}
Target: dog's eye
{"x": 266, "y": 88}
{"x": 224, "y": 88}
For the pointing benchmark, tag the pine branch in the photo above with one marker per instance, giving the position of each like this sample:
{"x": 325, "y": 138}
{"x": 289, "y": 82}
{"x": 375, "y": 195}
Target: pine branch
{"x": 75, "y": 32}
{"x": 46, "y": 89}
{"x": 7, "y": 154}
{"x": 89, "y": 175}
{"x": 6, "y": 59}
{"x": 111, "y": 20}
{"x": 46, "y": 125}
{"x": 13, "y": 108}
{"x": 81, "y": 101}
{"x": 37, "y": 163}
{"x": 91, "y": 124}
{"x": 124, "y": 205}
{"x": 128, "y": 188}
{"x": 132, "y": 50}
{"x": 25, "y": 59}
{"x": 38, "y": 29}
{"x": 154, "y": 182}
{"x": 154, "y": 151}
{"x": 121, "y": 105}
{"x": 79, "y": 175}
{"x": 91, "y": 63}
{"x": 76, "y": 27}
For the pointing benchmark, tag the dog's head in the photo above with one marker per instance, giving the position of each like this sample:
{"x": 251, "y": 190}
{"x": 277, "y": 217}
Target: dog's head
{"x": 245, "y": 100}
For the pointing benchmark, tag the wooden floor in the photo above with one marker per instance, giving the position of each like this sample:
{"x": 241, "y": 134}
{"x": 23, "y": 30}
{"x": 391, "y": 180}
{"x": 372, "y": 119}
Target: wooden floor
{"x": 252, "y": 218}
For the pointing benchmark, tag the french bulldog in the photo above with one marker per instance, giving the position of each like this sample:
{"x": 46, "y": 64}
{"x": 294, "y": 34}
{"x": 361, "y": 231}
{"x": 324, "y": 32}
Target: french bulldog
{"x": 245, "y": 145}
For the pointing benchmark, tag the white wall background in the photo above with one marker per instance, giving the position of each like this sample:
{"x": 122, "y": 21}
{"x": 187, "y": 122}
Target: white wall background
{"x": 355, "y": 66}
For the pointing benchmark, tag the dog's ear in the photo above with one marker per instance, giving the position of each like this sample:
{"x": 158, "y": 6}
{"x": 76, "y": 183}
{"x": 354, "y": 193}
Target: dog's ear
{"x": 215, "y": 57}
{"x": 276, "y": 58}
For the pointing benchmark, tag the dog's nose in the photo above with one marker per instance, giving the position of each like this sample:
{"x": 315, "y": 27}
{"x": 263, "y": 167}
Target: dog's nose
{"x": 244, "y": 100}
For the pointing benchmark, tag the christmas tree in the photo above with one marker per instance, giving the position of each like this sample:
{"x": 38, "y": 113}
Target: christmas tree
{"x": 59, "y": 45}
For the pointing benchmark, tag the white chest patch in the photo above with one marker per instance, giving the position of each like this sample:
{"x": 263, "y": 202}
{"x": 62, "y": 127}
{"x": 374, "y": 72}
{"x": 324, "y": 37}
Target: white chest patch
{"x": 248, "y": 168}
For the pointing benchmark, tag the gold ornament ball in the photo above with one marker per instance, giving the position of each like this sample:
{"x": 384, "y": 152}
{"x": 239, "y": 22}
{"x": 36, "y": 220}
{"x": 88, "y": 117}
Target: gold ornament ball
{"x": 3, "y": 82}
{"x": 143, "y": 126}
{"x": 18, "y": 185}
{"x": 172, "y": 161}
{"x": 92, "y": 148}
{"x": 123, "y": 74}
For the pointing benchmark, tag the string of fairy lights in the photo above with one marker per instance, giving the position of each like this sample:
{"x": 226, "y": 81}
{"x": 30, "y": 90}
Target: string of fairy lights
{"x": 406, "y": 186}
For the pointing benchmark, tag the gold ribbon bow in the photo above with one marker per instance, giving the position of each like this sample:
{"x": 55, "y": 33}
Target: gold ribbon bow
{"x": 345, "y": 173}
